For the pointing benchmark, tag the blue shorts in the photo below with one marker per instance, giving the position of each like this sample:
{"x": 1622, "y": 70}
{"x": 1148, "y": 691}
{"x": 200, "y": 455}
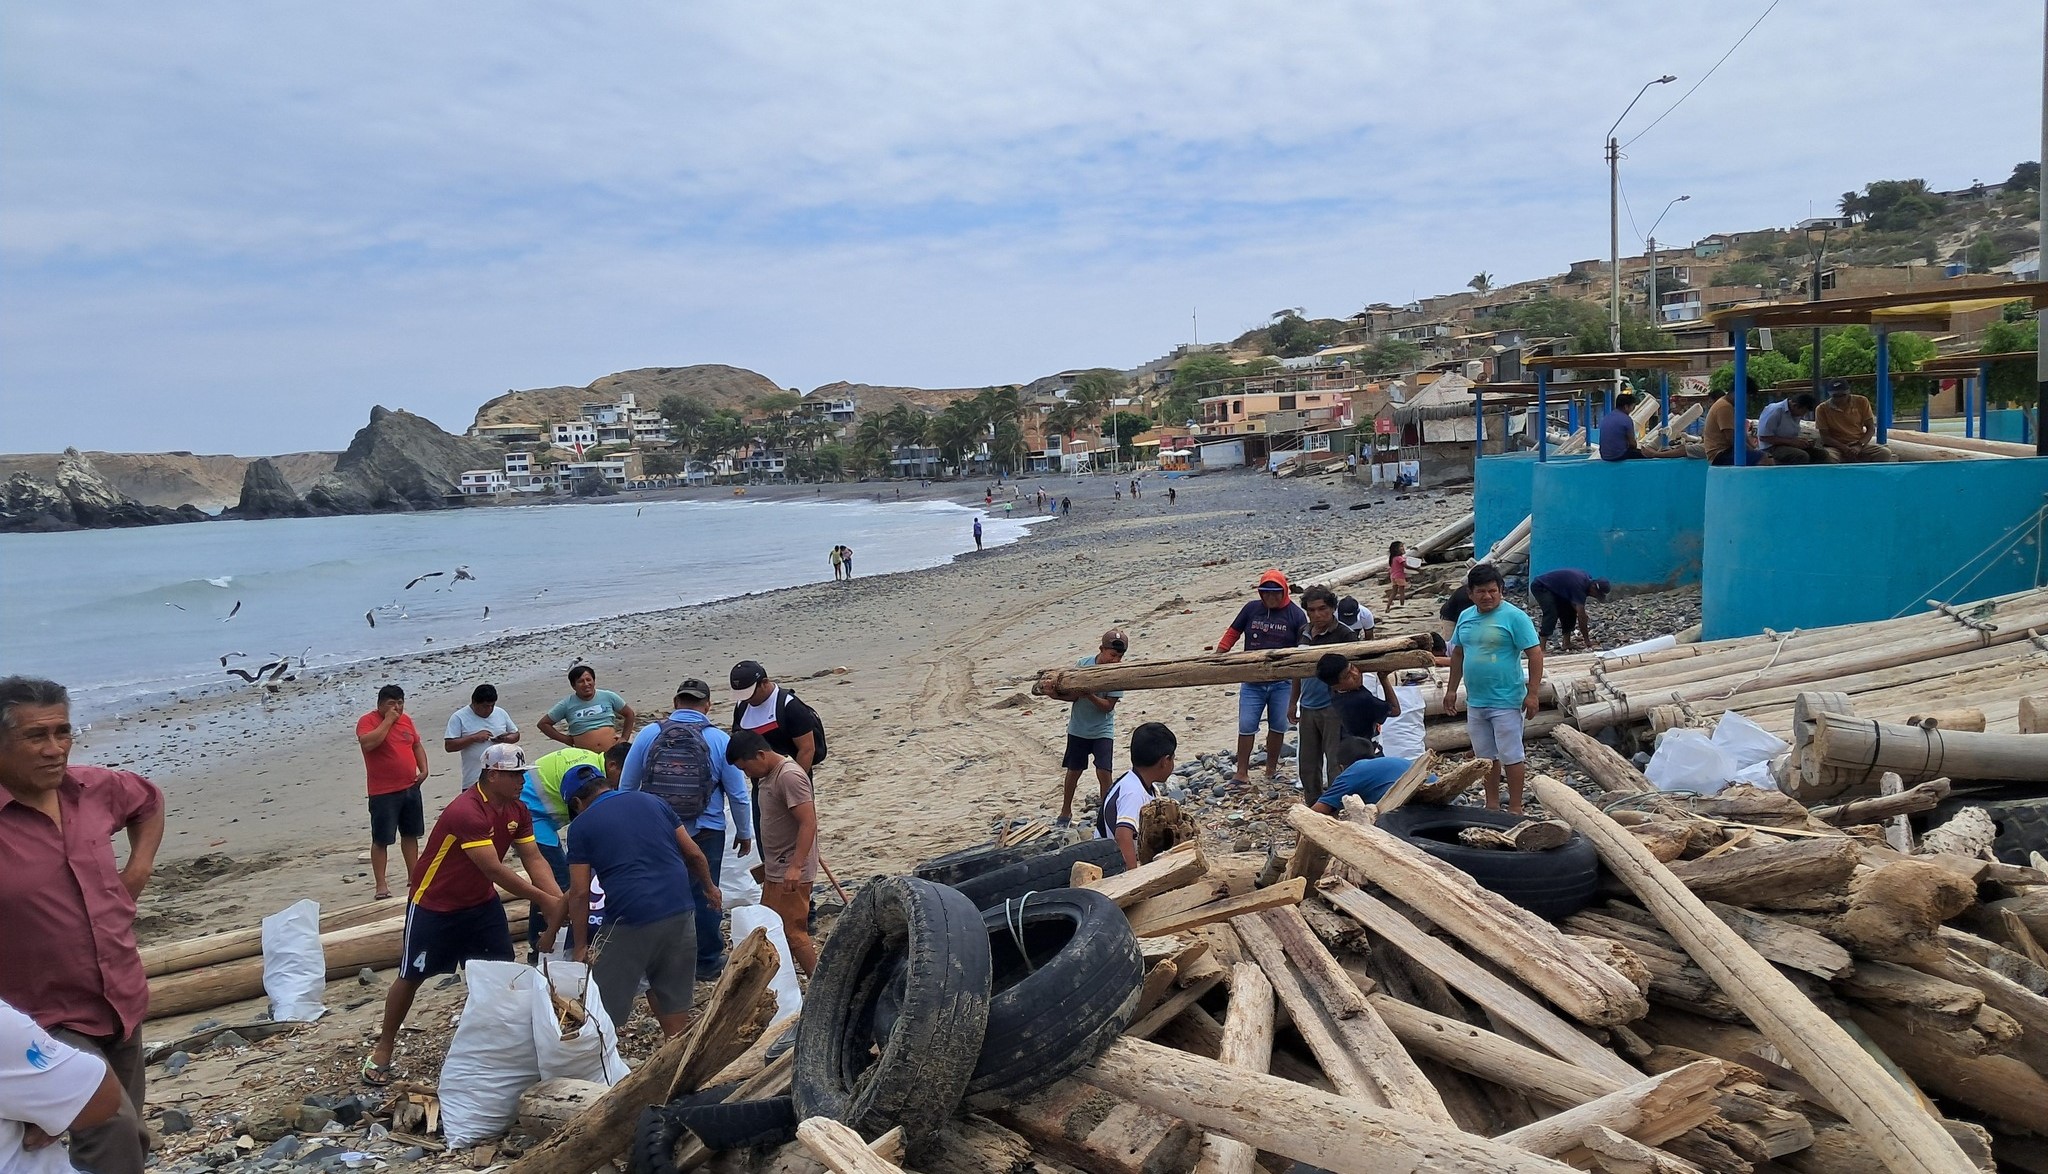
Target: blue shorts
{"x": 1268, "y": 699}
{"x": 1496, "y": 732}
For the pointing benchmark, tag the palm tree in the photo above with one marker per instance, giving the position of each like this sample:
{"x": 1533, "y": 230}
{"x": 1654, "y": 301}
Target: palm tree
{"x": 955, "y": 431}
{"x": 1851, "y": 205}
{"x": 1066, "y": 418}
{"x": 1481, "y": 281}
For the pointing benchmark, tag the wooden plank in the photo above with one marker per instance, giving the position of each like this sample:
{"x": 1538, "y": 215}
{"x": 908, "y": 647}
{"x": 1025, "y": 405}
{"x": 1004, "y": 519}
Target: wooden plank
{"x": 1163, "y": 873}
{"x": 841, "y": 1149}
{"x": 1475, "y": 1050}
{"x": 1652, "y": 1111}
{"x": 1172, "y": 1007}
{"x": 1101, "y": 1130}
{"x": 1247, "y": 1044}
{"x": 1905, "y": 1138}
{"x": 1771, "y": 872}
{"x": 1524, "y": 944}
{"x": 1404, "y": 788}
{"x": 1285, "y": 893}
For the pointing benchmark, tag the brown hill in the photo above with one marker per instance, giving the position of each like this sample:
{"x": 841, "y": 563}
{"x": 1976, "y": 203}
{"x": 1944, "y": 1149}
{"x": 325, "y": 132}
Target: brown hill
{"x": 876, "y": 399}
{"x": 210, "y": 482}
{"x": 714, "y": 383}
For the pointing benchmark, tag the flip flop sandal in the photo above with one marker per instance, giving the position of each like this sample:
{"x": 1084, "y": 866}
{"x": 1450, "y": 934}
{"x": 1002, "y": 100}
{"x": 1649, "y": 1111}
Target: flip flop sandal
{"x": 377, "y": 1074}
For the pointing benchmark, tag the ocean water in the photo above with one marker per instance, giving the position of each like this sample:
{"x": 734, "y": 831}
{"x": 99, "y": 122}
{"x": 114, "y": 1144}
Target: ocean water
{"x": 123, "y": 616}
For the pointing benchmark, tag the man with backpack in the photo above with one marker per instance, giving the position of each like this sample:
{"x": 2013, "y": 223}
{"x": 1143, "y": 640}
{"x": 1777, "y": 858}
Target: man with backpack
{"x": 792, "y": 729}
{"x": 682, "y": 761}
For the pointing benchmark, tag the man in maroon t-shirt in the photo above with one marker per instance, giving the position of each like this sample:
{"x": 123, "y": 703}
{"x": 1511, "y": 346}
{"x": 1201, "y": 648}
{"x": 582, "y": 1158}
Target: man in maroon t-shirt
{"x": 452, "y": 911}
{"x": 396, "y": 762}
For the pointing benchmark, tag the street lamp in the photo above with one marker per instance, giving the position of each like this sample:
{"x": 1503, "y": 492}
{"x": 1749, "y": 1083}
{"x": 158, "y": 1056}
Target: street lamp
{"x": 1650, "y": 242}
{"x": 1614, "y": 214}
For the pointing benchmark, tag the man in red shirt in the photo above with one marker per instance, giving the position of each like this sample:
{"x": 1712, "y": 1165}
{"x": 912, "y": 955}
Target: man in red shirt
{"x": 396, "y": 762}
{"x": 70, "y": 908}
{"x": 452, "y": 911}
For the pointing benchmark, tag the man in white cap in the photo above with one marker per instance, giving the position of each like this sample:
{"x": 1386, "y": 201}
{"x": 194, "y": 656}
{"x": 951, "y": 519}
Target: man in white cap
{"x": 452, "y": 911}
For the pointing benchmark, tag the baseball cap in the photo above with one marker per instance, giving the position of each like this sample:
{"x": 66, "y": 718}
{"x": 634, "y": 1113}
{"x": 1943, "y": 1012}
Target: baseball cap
{"x": 1837, "y": 386}
{"x": 505, "y": 757}
{"x": 1347, "y": 610}
{"x": 747, "y": 674}
{"x": 578, "y": 777}
{"x": 1271, "y": 579}
{"x": 1601, "y": 587}
{"x": 694, "y": 688}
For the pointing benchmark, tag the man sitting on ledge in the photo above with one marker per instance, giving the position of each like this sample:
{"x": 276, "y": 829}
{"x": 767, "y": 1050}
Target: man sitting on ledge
{"x": 1778, "y": 427}
{"x": 1618, "y": 434}
{"x": 1848, "y": 427}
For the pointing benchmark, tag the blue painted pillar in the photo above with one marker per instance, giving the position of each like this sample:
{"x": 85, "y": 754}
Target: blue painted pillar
{"x": 1590, "y": 441}
{"x": 1664, "y": 401}
{"x": 1571, "y": 416}
{"x": 1884, "y": 384}
{"x": 1740, "y": 394}
{"x": 1983, "y": 398}
{"x": 1542, "y": 414}
{"x": 1969, "y": 413}
{"x": 1478, "y": 424}
{"x": 1925, "y": 418}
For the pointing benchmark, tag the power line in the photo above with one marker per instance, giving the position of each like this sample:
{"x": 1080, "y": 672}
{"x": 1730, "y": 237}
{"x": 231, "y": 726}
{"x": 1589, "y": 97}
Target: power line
{"x": 1625, "y": 206}
{"x": 1703, "y": 77}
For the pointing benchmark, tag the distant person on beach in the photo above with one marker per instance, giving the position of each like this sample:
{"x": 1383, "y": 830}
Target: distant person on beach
{"x": 452, "y": 911}
{"x": 1172, "y": 495}
{"x": 838, "y": 570}
{"x": 683, "y": 760}
{"x": 1091, "y": 726}
{"x": 1487, "y": 648}
{"x": 47, "y": 1089}
{"x": 1364, "y": 774}
{"x": 761, "y": 706}
{"x": 1848, "y": 427}
{"x": 1562, "y": 595}
{"x": 589, "y": 717}
{"x": 1118, "y": 490}
{"x": 1271, "y": 621}
{"x": 654, "y": 877}
{"x": 846, "y": 560}
{"x": 1152, "y": 748}
{"x": 477, "y": 725}
{"x": 1397, "y": 573}
{"x": 788, "y": 817}
{"x": 1308, "y": 704}
{"x": 1777, "y": 427}
{"x": 395, "y": 762}
{"x": 1066, "y": 506}
{"x": 542, "y": 797}
{"x": 977, "y": 532}
{"x": 71, "y": 910}
{"x": 1360, "y": 713}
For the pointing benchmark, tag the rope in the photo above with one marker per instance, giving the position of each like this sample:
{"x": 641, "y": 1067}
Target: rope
{"x": 1014, "y": 918}
{"x": 1995, "y": 550}
{"x": 1753, "y": 677}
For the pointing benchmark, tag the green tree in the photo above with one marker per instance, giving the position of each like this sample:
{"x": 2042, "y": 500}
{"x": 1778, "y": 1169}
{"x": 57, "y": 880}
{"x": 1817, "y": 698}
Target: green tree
{"x": 775, "y": 401}
{"x": 956, "y": 431}
{"x": 1293, "y": 336}
{"x": 1065, "y": 418}
{"x": 1744, "y": 273}
{"x": 1123, "y": 426}
{"x": 684, "y": 410}
{"x": 1196, "y": 377}
{"x": 1984, "y": 253}
{"x": 1898, "y": 205}
{"x": 1095, "y": 388}
{"x": 2026, "y": 177}
{"x": 2013, "y": 381}
{"x": 665, "y": 464}
{"x": 1767, "y": 368}
{"x": 1394, "y": 356}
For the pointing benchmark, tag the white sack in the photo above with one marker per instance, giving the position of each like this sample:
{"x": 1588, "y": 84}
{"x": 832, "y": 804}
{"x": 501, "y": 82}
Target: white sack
{"x": 1745, "y": 741}
{"x": 1401, "y": 737}
{"x": 593, "y": 1053}
{"x": 789, "y": 997}
{"x": 294, "y": 964}
{"x": 1653, "y": 644}
{"x": 1688, "y": 760}
{"x": 492, "y": 1059}
{"x": 736, "y": 876}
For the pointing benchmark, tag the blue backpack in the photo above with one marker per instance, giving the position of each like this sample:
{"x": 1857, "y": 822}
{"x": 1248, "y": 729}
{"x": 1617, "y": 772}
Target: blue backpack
{"x": 679, "y": 768}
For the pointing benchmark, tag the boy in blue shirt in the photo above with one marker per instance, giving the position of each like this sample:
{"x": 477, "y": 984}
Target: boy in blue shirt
{"x": 1487, "y": 648}
{"x": 1363, "y": 775}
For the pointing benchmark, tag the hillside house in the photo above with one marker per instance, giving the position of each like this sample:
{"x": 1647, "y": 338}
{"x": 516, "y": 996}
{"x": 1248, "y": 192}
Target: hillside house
{"x": 619, "y": 471}
{"x": 1710, "y": 246}
{"x": 482, "y": 482}
{"x": 520, "y": 475}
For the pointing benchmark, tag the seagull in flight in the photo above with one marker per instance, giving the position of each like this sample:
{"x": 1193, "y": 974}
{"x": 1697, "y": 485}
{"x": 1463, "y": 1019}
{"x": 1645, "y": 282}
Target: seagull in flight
{"x": 422, "y": 578}
{"x": 231, "y": 612}
{"x": 230, "y": 656}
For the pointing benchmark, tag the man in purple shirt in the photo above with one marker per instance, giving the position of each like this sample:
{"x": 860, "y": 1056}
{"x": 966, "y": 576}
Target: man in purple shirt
{"x": 70, "y": 908}
{"x": 1271, "y": 621}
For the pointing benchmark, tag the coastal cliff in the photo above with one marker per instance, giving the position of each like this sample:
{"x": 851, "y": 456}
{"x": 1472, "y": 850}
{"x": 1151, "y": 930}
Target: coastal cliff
{"x": 397, "y": 462}
{"x": 78, "y": 497}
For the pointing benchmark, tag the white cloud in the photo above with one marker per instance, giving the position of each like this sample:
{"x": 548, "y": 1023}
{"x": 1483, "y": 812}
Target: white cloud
{"x": 211, "y": 210}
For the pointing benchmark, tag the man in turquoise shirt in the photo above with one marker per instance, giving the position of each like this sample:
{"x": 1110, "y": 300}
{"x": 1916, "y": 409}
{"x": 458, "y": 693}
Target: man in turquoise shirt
{"x": 1091, "y": 727}
{"x": 1487, "y": 648}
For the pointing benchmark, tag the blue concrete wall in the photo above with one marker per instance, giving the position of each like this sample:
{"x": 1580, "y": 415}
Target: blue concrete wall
{"x": 1803, "y": 547}
{"x": 2013, "y": 424}
{"x": 1502, "y": 493}
{"x": 1639, "y": 523}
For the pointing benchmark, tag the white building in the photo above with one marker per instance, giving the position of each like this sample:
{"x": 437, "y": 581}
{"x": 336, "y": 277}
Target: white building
{"x": 622, "y": 421}
{"x": 482, "y": 483}
{"x": 520, "y": 476}
{"x": 571, "y": 433}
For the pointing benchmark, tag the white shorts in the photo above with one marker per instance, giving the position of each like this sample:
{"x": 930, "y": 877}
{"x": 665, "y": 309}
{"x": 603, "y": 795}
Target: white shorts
{"x": 1496, "y": 733}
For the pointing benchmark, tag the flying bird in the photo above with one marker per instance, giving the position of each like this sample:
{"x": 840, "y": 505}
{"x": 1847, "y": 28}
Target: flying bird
{"x": 282, "y": 665}
{"x": 370, "y": 617}
{"x": 230, "y": 656}
{"x": 168, "y": 603}
{"x": 231, "y": 612}
{"x": 252, "y": 678}
{"x": 428, "y": 575}
{"x": 462, "y": 573}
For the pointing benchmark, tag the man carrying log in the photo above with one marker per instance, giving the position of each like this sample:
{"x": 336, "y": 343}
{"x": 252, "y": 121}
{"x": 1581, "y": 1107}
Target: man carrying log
{"x": 75, "y": 968}
{"x": 1360, "y": 714}
{"x": 1270, "y": 621}
{"x": 452, "y": 911}
{"x": 1091, "y": 727}
{"x": 1487, "y": 649}
{"x": 1848, "y": 427}
{"x": 1309, "y": 704}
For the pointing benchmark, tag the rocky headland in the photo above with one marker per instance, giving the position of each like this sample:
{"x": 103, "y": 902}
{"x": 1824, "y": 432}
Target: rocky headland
{"x": 78, "y": 497}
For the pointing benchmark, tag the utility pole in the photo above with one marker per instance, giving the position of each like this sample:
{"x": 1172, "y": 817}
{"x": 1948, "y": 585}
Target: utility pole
{"x": 1614, "y": 218}
{"x": 1656, "y": 314}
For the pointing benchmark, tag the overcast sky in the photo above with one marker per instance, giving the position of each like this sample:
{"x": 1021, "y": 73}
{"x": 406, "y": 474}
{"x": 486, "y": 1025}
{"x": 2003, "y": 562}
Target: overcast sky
{"x": 234, "y": 227}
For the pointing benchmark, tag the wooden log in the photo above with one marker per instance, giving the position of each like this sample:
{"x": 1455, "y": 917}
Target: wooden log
{"x": 1526, "y": 945}
{"x": 1969, "y": 719}
{"x": 1475, "y": 1050}
{"x": 841, "y": 1149}
{"x": 551, "y": 1104}
{"x": 1667, "y": 839}
{"x": 1601, "y": 762}
{"x": 214, "y": 949}
{"x": 976, "y": 1145}
{"x": 1969, "y": 832}
{"x": 603, "y": 1131}
{"x": 1854, "y": 743}
{"x": 1169, "y": 905}
{"x": 2027, "y": 1008}
{"x": 1651, "y": 1111}
{"x": 1895, "y": 911}
{"x": 1357, "y": 1051}
{"x": 1759, "y": 876}
{"x": 738, "y": 1011}
{"x": 1450, "y": 735}
{"x": 1390, "y": 654}
{"x": 1784, "y": 943}
{"x": 1102, "y": 1129}
{"x": 1505, "y": 1002}
{"x": 2034, "y": 714}
{"x": 1163, "y": 873}
{"x": 1976, "y": 444}
{"x": 2000, "y": 1086}
{"x": 1341, "y": 1134}
{"x": 1443, "y": 538}
{"x": 1083, "y": 874}
{"x": 1285, "y": 893}
{"x": 1453, "y": 782}
{"x": 1158, "y": 981}
{"x": 1404, "y": 788}
{"x": 1247, "y": 1045}
{"x": 755, "y": 1058}
{"x": 1905, "y": 1138}
{"x": 1919, "y": 797}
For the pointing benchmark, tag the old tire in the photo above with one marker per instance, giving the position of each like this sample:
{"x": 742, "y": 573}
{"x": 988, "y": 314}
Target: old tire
{"x": 967, "y": 863}
{"x": 2022, "y": 824}
{"x": 655, "y": 1137}
{"x": 1074, "y": 997}
{"x": 930, "y": 1049}
{"x": 736, "y": 1125}
{"x": 1554, "y": 883}
{"x": 1041, "y": 873}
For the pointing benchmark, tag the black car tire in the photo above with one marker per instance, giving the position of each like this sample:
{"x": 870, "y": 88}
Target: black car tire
{"x": 1554, "y": 883}
{"x": 2022, "y": 824}
{"x": 733, "y": 1125}
{"x": 967, "y": 863}
{"x": 1056, "y": 1010}
{"x": 1041, "y": 873}
{"x": 930, "y": 1048}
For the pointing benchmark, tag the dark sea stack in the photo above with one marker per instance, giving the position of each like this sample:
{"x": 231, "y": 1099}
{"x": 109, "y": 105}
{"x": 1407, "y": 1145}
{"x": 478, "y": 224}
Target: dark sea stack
{"x": 79, "y": 499}
{"x": 266, "y": 494}
{"x": 28, "y": 505}
{"x": 399, "y": 462}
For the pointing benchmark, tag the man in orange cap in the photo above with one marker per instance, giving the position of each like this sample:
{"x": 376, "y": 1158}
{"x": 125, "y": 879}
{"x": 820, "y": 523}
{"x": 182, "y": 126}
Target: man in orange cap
{"x": 1273, "y": 620}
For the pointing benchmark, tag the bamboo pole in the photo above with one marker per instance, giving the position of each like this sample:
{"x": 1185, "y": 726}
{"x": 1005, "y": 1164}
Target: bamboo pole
{"x": 1441, "y": 539}
{"x": 1974, "y": 444}
{"x": 1229, "y": 668}
{"x": 1916, "y": 754}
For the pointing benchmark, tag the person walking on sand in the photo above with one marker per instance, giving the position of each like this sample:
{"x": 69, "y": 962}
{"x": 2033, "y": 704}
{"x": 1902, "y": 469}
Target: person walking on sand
{"x": 477, "y": 725}
{"x": 846, "y": 559}
{"x": 1172, "y": 495}
{"x": 589, "y": 717}
{"x": 1091, "y": 727}
{"x": 787, "y": 812}
{"x": 452, "y": 911}
{"x": 682, "y": 760}
{"x": 395, "y": 762}
{"x": 1397, "y": 573}
{"x": 71, "y": 910}
{"x": 1308, "y": 702}
{"x": 1268, "y": 622}
{"x": 658, "y": 888}
{"x": 977, "y": 531}
{"x": 1066, "y": 506}
{"x": 838, "y": 571}
{"x": 1487, "y": 648}
{"x": 1152, "y": 748}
